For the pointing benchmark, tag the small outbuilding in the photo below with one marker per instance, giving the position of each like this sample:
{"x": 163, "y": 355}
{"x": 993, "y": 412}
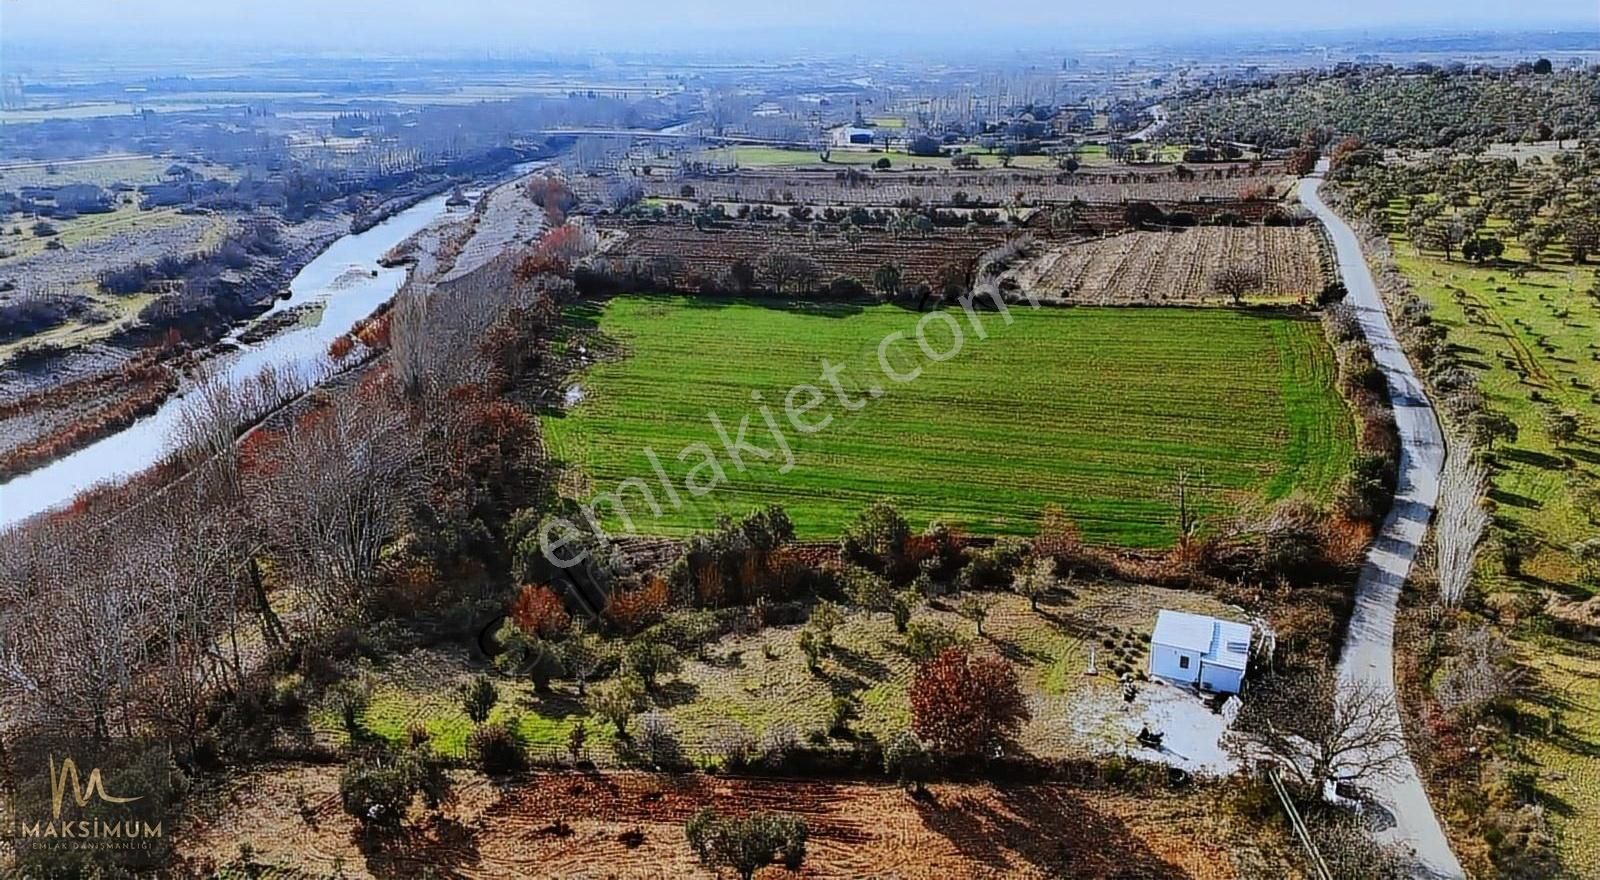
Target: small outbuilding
{"x": 1197, "y": 650}
{"x": 850, "y": 135}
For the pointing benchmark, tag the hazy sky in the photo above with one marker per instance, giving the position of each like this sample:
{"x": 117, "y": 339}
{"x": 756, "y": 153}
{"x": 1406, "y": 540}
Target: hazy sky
{"x": 641, "y": 24}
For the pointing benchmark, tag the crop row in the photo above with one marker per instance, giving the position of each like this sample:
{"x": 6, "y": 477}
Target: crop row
{"x": 1171, "y": 267}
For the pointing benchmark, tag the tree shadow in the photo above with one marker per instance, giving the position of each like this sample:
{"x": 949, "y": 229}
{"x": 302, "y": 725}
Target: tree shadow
{"x": 1512, "y": 499}
{"x": 860, "y": 664}
{"x": 677, "y": 692}
{"x": 1529, "y": 457}
{"x": 553, "y": 704}
{"x": 439, "y": 846}
{"x": 1056, "y": 830}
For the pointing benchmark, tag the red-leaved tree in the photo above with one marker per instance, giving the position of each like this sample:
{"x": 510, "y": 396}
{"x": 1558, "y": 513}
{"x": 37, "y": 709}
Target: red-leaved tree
{"x": 966, "y": 704}
{"x": 538, "y": 611}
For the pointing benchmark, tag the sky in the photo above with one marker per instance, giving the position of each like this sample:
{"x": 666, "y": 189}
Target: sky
{"x": 709, "y": 24}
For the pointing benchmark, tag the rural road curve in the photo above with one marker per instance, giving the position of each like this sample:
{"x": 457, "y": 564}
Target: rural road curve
{"x": 1369, "y": 646}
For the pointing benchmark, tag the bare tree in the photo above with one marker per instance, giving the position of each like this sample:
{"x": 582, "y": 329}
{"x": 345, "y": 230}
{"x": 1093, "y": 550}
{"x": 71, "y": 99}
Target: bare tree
{"x": 334, "y": 490}
{"x": 1483, "y": 671}
{"x": 1458, "y": 529}
{"x": 1235, "y": 282}
{"x": 1321, "y": 730}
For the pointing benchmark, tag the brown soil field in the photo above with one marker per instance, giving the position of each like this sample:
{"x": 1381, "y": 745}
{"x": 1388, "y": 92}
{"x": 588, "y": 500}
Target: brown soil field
{"x": 993, "y": 188}
{"x": 707, "y": 254}
{"x": 1162, "y": 268}
{"x": 569, "y": 824}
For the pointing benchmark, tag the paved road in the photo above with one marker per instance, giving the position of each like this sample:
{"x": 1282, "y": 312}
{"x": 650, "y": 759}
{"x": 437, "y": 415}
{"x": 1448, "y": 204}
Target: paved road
{"x": 1369, "y": 648}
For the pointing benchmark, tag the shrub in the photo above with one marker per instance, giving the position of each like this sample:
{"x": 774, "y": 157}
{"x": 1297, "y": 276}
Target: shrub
{"x": 735, "y": 745}
{"x": 634, "y": 610}
{"x": 478, "y": 699}
{"x": 649, "y": 660}
{"x": 748, "y": 843}
{"x": 378, "y": 788}
{"x": 866, "y": 589}
{"x": 778, "y": 745}
{"x": 657, "y": 740}
{"x": 901, "y": 607}
{"x": 496, "y": 750}
{"x": 906, "y": 760}
{"x": 877, "y": 537}
{"x": 840, "y": 712}
{"x": 926, "y": 640}
{"x": 615, "y": 701}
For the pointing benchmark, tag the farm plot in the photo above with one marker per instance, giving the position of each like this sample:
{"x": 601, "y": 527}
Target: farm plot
{"x": 564, "y": 824}
{"x": 760, "y": 681}
{"x": 994, "y": 187}
{"x": 1093, "y": 409}
{"x": 1151, "y": 268}
{"x": 696, "y": 254}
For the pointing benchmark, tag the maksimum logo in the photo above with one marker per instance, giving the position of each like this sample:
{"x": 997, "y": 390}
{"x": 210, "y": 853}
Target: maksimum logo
{"x": 105, "y": 797}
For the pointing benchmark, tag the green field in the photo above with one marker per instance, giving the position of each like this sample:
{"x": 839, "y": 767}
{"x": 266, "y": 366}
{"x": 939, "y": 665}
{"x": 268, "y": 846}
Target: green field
{"x": 1093, "y": 409}
{"x": 1526, "y": 336}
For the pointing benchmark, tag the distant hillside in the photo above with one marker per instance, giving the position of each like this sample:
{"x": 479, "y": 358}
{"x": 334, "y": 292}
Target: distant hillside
{"x": 1418, "y": 107}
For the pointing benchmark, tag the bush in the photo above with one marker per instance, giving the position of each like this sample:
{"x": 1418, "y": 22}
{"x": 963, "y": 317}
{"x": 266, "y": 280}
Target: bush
{"x": 865, "y": 589}
{"x": 748, "y": 843}
{"x": 778, "y": 744}
{"x": 649, "y": 660}
{"x": 735, "y": 745}
{"x": 656, "y": 741}
{"x": 479, "y": 698}
{"x": 496, "y": 750}
{"x": 926, "y": 640}
{"x": 906, "y": 760}
{"x": 378, "y": 788}
{"x": 615, "y": 701}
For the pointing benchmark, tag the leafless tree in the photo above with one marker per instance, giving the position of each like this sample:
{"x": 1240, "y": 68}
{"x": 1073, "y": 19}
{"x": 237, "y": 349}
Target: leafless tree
{"x": 1458, "y": 529}
{"x": 1236, "y": 281}
{"x": 1482, "y": 671}
{"x": 333, "y": 492}
{"x": 1320, "y": 729}
{"x": 409, "y": 348}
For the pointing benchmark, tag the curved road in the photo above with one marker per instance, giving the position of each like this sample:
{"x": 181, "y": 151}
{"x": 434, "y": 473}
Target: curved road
{"x": 1369, "y": 647}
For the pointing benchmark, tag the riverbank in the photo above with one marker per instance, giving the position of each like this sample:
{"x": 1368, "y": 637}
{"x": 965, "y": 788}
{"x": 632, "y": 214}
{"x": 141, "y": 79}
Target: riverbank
{"x": 57, "y": 402}
{"x": 344, "y": 285}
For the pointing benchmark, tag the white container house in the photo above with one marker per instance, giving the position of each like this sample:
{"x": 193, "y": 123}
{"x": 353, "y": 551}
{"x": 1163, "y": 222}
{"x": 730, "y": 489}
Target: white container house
{"x": 1202, "y": 651}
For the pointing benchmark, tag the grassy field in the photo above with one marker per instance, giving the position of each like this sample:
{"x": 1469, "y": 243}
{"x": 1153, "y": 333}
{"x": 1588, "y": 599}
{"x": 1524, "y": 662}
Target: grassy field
{"x": 1525, "y": 336}
{"x": 1093, "y": 409}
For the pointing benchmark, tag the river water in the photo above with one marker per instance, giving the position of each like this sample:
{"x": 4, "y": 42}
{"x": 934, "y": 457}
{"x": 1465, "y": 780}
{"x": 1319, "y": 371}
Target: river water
{"x": 346, "y": 278}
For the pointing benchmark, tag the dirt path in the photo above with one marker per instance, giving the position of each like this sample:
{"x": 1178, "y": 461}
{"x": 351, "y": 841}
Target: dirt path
{"x": 1369, "y": 647}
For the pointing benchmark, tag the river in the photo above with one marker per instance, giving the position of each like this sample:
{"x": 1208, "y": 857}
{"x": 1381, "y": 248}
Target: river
{"x": 345, "y": 277}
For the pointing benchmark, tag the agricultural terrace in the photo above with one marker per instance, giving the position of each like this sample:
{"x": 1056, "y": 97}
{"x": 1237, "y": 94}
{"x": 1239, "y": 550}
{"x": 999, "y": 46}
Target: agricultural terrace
{"x": 682, "y": 255}
{"x": 994, "y": 187}
{"x": 1093, "y": 409}
{"x": 778, "y": 157}
{"x": 1523, "y": 325}
{"x": 1152, "y": 268}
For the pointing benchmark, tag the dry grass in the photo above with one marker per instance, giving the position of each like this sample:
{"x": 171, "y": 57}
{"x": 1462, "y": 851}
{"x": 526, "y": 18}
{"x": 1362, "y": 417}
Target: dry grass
{"x": 761, "y": 680}
{"x": 1156, "y": 268}
{"x": 631, "y": 825}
